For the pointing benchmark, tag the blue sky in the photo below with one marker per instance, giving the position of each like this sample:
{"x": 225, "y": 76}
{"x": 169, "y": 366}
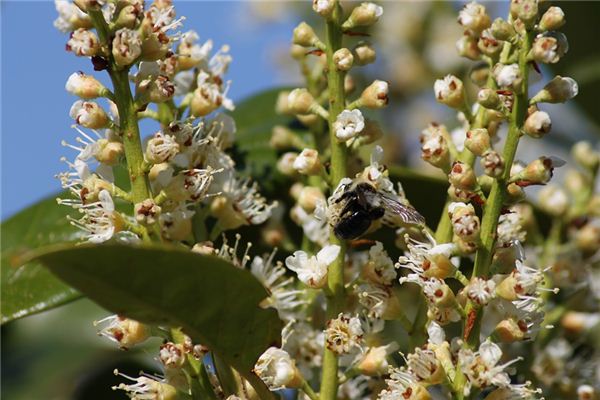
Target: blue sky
{"x": 35, "y": 66}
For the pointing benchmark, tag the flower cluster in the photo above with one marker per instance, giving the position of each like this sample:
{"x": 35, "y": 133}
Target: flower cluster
{"x": 372, "y": 297}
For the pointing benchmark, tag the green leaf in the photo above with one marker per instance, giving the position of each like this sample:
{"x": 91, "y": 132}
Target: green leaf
{"x": 30, "y": 288}
{"x": 255, "y": 118}
{"x": 214, "y": 302}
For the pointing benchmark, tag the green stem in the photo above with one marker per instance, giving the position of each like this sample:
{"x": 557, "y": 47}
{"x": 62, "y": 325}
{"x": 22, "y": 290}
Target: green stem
{"x": 335, "y": 280}
{"x": 129, "y": 128}
{"x": 498, "y": 194}
{"x": 309, "y": 390}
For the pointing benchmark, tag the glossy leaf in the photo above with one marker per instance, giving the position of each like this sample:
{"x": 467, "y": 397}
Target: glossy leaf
{"x": 30, "y": 288}
{"x": 255, "y": 118}
{"x": 214, "y": 302}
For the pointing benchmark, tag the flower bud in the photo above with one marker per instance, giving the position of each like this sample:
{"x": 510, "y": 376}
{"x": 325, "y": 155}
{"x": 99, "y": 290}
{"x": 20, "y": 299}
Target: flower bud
{"x": 525, "y": 10}
{"x": 515, "y": 193}
{"x": 89, "y": 114}
{"x": 537, "y": 172}
{"x": 146, "y": 212}
{"x": 285, "y": 164}
{"x": 124, "y": 331}
{"x": 553, "y": 200}
{"x": 176, "y": 225}
{"x": 206, "y": 248}
{"x": 479, "y": 75}
{"x": 374, "y": 362}
{"x": 366, "y": 14}
{"x": 88, "y": 5}
{"x": 465, "y": 222}
{"x": 508, "y": 76}
{"x": 579, "y": 322}
{"x": 375, "y": 95}
{"x": 126, "y": 46}
{"x": 308, "y": 120}
{"x": 128, "y": 16}
{"x": 85, "y": 86}
{"x": 537, "y": 124}
{"x": 308, "y": 163}
{"x": 510, "y": 330}
{"x": 585, "y": 155}
{"x": 364, "y": 53}
{"x": 449, "y": 91}
{"x": 305, "y": 36}
{"x": 434, "y": 147}
{"x": 282, "y": 105}
{"x": 474, "y": 17}
{"x": 488, "y": 98}
{"x": 488, "y": 44}
{"x": 492, "y": 163}
{"x": 83, "y": 43}
{"x": 283, "y": 138}
{"x": 172, "y": 355}
{"x": 502, "y": 30}
{"x": 309, "y": 197}
{"x": 462, "y": 176}
{"x": 549, "y": 49}
{"x": 324, "y": 7}
{"x": 349, "y": 84}
{"x": 478, "y": 141}
{"x": 343, "y": 59}
{"x": 552, "y": 20}
{"x": 277, "y": 369}
{"x": 466, "y": 46}
{"x": 300, "y": 101}
{"x": 109, "y": 153}
{"x": 586, "y": 392}
{"x": 558, "y": 90}
{"x": 202, "y": 103}
{"x": 587, "y": 239}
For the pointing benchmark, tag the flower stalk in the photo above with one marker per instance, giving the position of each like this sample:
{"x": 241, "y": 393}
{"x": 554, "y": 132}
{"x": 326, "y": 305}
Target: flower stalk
{"x": 497, "y": 196}
{"x": 335, "y": 280}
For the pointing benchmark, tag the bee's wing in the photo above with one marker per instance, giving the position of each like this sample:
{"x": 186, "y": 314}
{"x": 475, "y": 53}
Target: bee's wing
{"x": 406, "y": 213}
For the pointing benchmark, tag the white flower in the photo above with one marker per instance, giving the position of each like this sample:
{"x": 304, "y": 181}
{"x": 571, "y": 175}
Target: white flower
{"x": 283, "y": 296}
{"x": 308, "y": 162}
{"x": 305, "y": 345}
{"x": 348, "y": 124}
{"x": 473, "y": 16}
{"x": 510, "y": 229}
{"x": 343, "y": 334}
{"x": 83, "y": 42}
{"x": 481, "y": 367}
{"x": 123, "y": 331}
{"x": 98, "y": 221}
{"x": 89, "y": 114}
{"x": 126, "y": 46}
{"x": 147, "y": 388}
{"x": 480, "y": 291}
{"x": 449, "y": 91}
{"x": 436, "y": 333}
{"x": 70, "y": 17}
{"x": 402, "y": 384}
{"x": 323, "y": 7}
{"x": 507, "y": 75}
{"x": 161, "y": 148}
{"x": 374, "y": 298}
{"x": 379, "y": 267}
{"x": 313, "y": 271}
{"x": 276, "y": 368}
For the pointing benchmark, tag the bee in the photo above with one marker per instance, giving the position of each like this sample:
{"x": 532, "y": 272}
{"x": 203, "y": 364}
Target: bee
{"x": 360, "y": 204}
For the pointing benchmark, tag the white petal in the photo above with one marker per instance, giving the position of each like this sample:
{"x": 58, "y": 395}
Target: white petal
{"x": 328, "y": 254}
{"x": 297, "y": 261}
{"x": 106, "y": 201}
{"x": 490, "y": 353}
